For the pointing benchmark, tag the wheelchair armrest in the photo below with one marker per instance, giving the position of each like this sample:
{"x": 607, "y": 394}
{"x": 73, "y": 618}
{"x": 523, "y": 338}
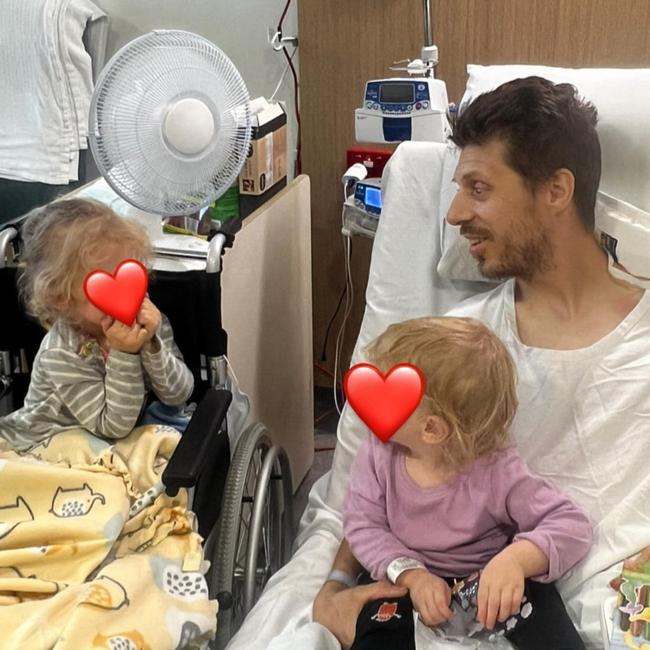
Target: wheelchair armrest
{"x": 197, "y": 445}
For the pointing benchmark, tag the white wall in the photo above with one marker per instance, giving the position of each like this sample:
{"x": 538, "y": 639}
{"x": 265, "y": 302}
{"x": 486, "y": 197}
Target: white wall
{"x": 238, "y": 27}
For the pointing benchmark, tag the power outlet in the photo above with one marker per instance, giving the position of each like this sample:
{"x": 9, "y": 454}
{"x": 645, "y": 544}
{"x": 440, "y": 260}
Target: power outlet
{"x": 374, "y": 159}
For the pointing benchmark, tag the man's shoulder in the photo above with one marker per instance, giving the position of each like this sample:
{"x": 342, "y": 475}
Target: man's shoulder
{"x": 487, "y": 306}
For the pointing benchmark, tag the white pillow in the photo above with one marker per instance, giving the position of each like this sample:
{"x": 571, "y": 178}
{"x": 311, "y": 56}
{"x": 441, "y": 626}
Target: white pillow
{"x": 622, "y": 98}
{"x": 624, "y": 231}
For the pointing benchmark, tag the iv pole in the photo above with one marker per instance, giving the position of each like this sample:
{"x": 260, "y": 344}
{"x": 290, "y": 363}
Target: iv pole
{"x": 424, "y": 66}
{"x": 429, "y": 51}
{"x": 428, "y": 27}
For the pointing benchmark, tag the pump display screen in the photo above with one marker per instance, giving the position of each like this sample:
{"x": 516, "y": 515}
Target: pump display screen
{"x": 396, "y": 93}
{"x": 373, "y": 197}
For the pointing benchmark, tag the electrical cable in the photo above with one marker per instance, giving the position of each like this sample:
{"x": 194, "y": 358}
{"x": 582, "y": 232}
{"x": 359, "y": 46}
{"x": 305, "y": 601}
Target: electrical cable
{"x": 284, "y": 74}
{"x": 349, "y": 302}
{"x": 284, "y": 15}
{"x": 324, "y": 370}
{"x": 323, "y": 356}
{"x": 348, "y": 310}
{"x": 296, "y": 86}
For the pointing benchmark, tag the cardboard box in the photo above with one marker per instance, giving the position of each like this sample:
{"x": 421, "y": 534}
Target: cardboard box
{"x": 266, "y": 165}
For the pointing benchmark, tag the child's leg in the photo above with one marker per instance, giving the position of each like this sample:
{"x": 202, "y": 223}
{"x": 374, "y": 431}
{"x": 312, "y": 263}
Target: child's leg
{"x": 549, "y": 626}
{"x": 386, "y": 623}
{"x": 171, "y": 416}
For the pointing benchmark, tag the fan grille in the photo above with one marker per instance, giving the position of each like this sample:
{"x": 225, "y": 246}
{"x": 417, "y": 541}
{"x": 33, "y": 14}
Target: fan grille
{"x": 133, "y": 95}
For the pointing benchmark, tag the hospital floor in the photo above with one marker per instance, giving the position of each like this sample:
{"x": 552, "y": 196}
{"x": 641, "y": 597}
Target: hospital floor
{"x": 325, "y": 421}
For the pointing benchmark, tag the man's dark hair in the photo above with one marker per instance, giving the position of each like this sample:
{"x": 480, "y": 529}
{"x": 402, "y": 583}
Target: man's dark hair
{"x": 545, "y": 127}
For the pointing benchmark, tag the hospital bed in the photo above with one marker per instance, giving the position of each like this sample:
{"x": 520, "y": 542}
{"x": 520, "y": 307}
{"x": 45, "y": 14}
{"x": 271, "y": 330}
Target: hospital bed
{"x": 241, "y": 481}
{"x": 416, "y": 270}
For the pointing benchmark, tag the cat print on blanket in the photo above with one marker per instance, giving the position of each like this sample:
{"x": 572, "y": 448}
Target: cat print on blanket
{"x": 189, "y": 633}
{"x": 13, "y": 515}
{"x": 75, "y": 502}
{"x": 12, "y": 572}
{"x": 131, "y": 640}
{"x": 106, "y": 593}
{"x": 188, "y": 585}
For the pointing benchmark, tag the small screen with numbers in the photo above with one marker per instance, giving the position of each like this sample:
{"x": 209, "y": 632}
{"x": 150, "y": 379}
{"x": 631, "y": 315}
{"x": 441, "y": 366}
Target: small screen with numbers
{"x": 396, "y": 93}
{"x": 373, "y": 197}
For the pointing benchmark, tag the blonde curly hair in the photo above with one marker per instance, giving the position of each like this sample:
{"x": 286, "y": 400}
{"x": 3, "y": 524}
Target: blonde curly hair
{"x": 470, "y": 380}
{"x": 65, "y": 240}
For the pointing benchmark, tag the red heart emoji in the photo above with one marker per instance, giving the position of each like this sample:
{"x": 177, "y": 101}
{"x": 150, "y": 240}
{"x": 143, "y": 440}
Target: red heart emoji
{"x": 119, "y": 295}
{"x": 384, "y": 404}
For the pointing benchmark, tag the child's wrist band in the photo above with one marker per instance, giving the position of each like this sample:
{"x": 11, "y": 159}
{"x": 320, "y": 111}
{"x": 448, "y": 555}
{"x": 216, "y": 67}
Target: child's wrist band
{"x": 401, "y": 564}
{"x": 343, "y": 577}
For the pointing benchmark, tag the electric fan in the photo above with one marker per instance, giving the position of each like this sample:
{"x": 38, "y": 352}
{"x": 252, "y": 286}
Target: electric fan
{"x": 170, "y": 122}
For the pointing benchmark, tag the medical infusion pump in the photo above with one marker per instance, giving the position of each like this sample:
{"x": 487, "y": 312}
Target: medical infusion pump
{"x": 367, "y": 196}
{"x": 362, "y": 209}
{"x": 401, "y": 109}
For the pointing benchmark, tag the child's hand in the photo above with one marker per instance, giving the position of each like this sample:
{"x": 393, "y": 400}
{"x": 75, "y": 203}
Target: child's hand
{"x": 430, "y": 594}
{"x": 148, "y": 318}
{"x": 500, "y": 590}
{"x": 123, "y": 338}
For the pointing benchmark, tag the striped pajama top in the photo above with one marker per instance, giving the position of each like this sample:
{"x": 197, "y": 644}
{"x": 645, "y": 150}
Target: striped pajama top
{"x": 73, "y": 386}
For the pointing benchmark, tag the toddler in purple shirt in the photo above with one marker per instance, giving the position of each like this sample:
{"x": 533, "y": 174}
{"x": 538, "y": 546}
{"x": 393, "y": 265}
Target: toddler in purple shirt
{"x": 448, "y": 496}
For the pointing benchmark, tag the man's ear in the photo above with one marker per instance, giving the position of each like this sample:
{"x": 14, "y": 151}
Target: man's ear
{"x": 560, "y": 189}
{"x": 435, "y": 430}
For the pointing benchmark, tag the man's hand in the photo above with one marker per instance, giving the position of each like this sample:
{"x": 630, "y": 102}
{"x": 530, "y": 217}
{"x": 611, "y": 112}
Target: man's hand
{"x": 500, "y": 590}
{"x": 430, "y": 594}
{"x": 123, "y": 338}
{"x": 337, "y": 607}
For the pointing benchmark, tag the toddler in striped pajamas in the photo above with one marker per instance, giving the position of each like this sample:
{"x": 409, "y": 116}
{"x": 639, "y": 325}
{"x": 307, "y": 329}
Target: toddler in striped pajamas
{"x": 90, "y": 371}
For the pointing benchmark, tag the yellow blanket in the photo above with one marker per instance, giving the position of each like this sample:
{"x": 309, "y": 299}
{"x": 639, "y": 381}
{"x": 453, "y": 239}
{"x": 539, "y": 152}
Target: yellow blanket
{"x": 94, "y": 554}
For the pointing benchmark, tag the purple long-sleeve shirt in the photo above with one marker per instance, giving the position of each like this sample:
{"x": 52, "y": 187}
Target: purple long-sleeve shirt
{"x": 457, "y": 528}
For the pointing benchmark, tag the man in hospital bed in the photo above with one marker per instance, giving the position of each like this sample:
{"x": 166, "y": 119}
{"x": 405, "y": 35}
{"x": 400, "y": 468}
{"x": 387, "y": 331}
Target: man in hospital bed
{"x": 527, "y": 180}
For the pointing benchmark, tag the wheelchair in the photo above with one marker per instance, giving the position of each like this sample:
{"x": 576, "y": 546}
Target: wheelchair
{"x": 243, "y": 500}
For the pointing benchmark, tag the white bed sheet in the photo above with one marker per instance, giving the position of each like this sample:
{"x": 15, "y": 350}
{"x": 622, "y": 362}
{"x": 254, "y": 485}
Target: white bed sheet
{"x": 402, "y": 283}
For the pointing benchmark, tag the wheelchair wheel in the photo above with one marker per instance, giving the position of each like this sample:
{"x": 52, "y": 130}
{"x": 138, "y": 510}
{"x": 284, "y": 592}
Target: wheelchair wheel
{"x": 253, "y": 536}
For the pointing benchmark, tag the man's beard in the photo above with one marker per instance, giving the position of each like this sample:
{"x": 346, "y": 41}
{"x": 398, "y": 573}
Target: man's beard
{"x": 523, "y": 259}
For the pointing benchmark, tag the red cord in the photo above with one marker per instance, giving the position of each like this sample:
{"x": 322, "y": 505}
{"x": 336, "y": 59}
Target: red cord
{"x": 323, "y": 369}
{"x": 295, "y": 102}
{"x": 283, "y": 16}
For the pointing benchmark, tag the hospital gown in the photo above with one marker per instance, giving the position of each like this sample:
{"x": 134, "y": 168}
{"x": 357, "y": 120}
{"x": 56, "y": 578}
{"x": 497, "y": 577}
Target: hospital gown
{"x": 584, "y": 425}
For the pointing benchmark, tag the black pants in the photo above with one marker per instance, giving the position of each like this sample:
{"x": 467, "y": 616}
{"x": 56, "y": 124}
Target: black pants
{"x": 388, "y": 624}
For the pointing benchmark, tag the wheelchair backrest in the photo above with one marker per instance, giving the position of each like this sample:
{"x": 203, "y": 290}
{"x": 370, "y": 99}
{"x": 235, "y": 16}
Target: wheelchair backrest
{"x": 190, "y": 300}
{"x": 20, "y": 336}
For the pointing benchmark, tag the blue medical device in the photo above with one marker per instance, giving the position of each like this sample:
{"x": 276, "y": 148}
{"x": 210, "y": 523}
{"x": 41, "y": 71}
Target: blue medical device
{"x": 367, "y": 196}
